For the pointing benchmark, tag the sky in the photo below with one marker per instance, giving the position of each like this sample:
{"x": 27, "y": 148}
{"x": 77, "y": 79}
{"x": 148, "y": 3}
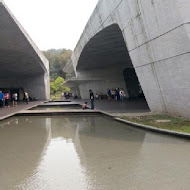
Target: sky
{"x": 53, "y": 24}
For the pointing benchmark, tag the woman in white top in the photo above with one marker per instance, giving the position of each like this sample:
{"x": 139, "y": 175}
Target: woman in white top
{"x": 122, "y": 94}
{"x": 15, "y": 98}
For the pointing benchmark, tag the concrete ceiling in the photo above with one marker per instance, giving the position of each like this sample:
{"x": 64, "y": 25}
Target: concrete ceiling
{"x": 107, "y": 48}
{"x": 17, "y": 57}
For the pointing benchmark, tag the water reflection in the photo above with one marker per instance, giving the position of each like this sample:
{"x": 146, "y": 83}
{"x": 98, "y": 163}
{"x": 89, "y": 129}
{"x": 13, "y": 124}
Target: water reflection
{"x": 65, "y": 107}
{"x": 22, "y": 143}
{"x": 109, "y": 152}
{"x": 88, "y": 152}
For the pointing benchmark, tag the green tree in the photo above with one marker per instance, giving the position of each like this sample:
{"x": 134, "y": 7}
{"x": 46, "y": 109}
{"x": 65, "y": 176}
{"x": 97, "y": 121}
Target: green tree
{"x": 58, "y": 59}
{"x": 57, "y": 87}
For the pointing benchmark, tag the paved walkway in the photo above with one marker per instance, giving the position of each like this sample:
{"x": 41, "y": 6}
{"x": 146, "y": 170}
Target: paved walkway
{"x": 128, "y": 107}
{"x": 116, "y": 107}
{"x": 7, "y": 112}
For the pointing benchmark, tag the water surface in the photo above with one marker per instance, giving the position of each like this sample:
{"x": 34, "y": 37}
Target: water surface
{"x": 71, "y": 107}
{"x": 89, "y": 152}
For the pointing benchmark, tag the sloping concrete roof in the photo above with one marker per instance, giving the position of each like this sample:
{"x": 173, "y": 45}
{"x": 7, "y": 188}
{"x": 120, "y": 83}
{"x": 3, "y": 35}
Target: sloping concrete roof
{"x": 18, "y": 53}
{"x": 74, "y": 81}
{"x": 69, "y": 67}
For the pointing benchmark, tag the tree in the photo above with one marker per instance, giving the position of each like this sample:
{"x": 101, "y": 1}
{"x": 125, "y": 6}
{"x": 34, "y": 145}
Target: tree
{"x": 57, "y": 59}
{"x": 56, "y": 87}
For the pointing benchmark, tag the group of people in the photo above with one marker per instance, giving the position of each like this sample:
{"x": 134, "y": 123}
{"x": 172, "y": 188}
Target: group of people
{"x": 67, "y": 95}
{"x": 112, "y": 94}
{"x": 5, "y": 98}
{"x": 116, "y": 94}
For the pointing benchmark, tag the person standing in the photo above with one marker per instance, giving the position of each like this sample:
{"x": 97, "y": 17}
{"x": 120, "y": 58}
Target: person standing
{"x": 26, "y": 97}
{"x": 2, "y": 98}
{"x": 113, "y": 94}
{"x": 6, "y": 99}
{"x": 62, "y": 95}
{"x": 117, "y": 93}
{"x": 91, "y": 99}
{"x": 122, "y": 94}
{"x": 14, "y": 98}
{"x": 109, "y": 94}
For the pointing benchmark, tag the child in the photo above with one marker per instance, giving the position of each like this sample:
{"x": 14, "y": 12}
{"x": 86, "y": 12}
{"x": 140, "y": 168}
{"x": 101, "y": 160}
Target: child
{"x": 84, "y": 106}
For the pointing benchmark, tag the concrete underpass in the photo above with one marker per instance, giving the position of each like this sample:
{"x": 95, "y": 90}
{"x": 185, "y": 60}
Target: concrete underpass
{"x": 132, "y": 45}
{"x": 23, "y": 67}
{"x": 105, "y": 63}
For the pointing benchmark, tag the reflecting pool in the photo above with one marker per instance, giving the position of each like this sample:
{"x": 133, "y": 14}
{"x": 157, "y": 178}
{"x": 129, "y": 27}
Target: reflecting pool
{"x": 89, "y": 152}
{"x": 54, "y": 101}
{"x": 64, "y": 107}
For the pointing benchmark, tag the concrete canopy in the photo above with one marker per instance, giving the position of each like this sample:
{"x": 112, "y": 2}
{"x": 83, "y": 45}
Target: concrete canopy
{"x": 22, "y": 63}
{"x": 102, "y": 62}
{"x": 106, "y": 49}
{"x": 157, "y": 37}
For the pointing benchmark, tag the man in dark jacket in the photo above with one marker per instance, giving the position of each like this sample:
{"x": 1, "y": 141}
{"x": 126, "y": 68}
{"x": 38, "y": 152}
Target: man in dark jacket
{"x": 91, "y": 99}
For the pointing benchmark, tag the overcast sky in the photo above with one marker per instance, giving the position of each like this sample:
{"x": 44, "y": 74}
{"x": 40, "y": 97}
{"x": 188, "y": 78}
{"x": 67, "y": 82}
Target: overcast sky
{"x": 53, "y": 23}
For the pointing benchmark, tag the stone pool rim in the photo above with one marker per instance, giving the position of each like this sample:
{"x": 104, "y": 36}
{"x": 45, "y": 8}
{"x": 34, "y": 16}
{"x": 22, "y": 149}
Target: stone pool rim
{"x": 29, "y": 112}
{"x": 53, "y": 105}
{"x": 150, "y": 128}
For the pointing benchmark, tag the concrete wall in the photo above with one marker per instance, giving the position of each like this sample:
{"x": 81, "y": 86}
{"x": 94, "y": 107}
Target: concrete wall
{"x": 108, "y": 78}
{"x": 36, "y": 86}
{"x": 157, "y": 36}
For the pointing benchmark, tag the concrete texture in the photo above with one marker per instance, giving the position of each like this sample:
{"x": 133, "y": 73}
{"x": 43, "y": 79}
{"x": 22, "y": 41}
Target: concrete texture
{"x": 127, "y": 107}
{"x": 153, "y": 37}
{"x": 23, "y": 65}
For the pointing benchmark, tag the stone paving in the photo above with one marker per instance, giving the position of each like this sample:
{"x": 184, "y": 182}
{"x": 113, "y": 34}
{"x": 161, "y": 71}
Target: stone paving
{"x": 115, "y": 107}
{"x": 7, "y": 112}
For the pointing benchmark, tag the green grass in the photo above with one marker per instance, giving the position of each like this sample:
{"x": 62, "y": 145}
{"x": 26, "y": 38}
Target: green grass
{"x": 176, "y": 124}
